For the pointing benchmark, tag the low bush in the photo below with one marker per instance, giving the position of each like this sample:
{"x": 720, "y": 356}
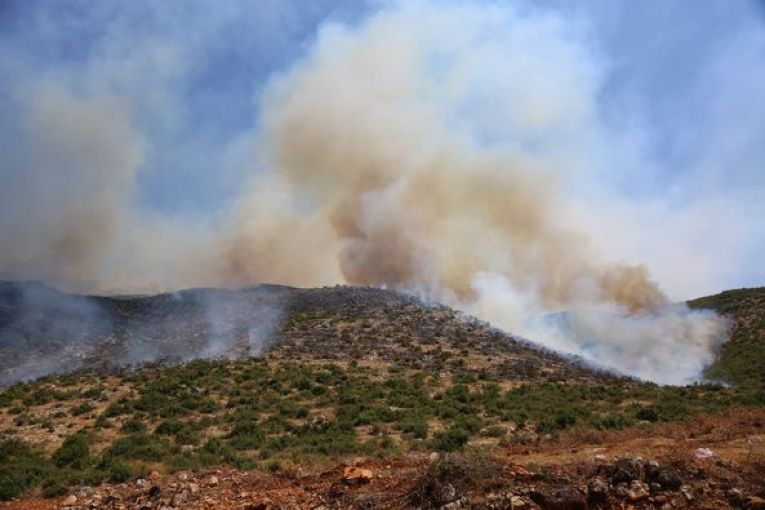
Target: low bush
{"x": 21, "y": 468}
{"x": 139, "y": 446}
{"x": 450, "y": 440}
{"x": 74, "y": 452}
{"x": 133, "y": 426}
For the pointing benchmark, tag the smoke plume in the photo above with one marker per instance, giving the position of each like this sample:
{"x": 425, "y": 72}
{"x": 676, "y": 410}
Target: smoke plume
{"x": 365, "y": 132}
{"x": 436, "y": 148}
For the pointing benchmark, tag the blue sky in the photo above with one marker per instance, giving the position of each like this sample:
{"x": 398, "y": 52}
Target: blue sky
{"x": 223, "y": 55}
{"x": 683, "y": 83}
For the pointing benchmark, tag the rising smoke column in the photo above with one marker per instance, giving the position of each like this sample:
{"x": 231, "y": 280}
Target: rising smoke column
{"x": 439, "y": 156}
{"x": 430, "y": 148}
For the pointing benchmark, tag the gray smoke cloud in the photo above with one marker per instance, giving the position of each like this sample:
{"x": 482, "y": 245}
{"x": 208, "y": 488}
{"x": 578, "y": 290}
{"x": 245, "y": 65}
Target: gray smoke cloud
{"x": 457, "y": 150}
{"x": 44, "y": 331}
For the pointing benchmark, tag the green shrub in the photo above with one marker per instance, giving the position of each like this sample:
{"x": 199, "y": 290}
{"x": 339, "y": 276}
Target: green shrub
{"x": 55, "y": 487}
{"x": 119, "y": 472}
{"x": 21, "y": 468}
{"x": 183, "y": 432}
{"x": 208, "y": 406}
{"x": 494, "y": 431}
{"x": 213, "y": 453}
{"x": 169, "y": 427}
{"x": 560, "y": 421}
{"x": 647, "y": 414}
{"x": 122, "y": 406}
{"x": 610, "y": 422}
{"x": 93, "y": 392}
{"x": 418, "y": 428}
{"x": 83, "y": 408}
{"x": 133, "y": 426}
{"x": 246, "y": 435}
{"x": 102, "y": 422}
{"x": 451, "y": 439}
{"x": 139, "y": 446}
{"x": 74, "y": 452}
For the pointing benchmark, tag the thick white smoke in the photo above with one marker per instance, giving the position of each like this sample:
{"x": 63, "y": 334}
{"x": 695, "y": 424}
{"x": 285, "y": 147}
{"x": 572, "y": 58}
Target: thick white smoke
{"x": 440, "y": 157}
{"x": 434, "y": 147}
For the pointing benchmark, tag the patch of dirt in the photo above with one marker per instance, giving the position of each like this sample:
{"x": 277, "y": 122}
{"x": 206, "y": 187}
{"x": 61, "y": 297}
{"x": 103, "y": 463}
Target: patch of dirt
{"x": 711, "y": 462}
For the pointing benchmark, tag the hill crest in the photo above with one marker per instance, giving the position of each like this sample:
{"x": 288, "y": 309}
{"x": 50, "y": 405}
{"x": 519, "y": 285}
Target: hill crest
{"x": 48, "y": 331}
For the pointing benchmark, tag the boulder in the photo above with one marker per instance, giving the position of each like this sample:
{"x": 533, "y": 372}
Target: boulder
{"x": 446, "y": 493}
{"x": 597, "y": 491}
{"x": 356, "y": 476}
{"x": 155, "y": 491}
{"x": 625, "y": 470}
{"x": 85, "y": 492}
{"x": 455, "y": 505}
{"x": 620, "y": 489}
{"x": 565, "y": 498}
{"x": 735, "y": 497}
{"x": 667, "y": 477}
{"x": 518, "y": 503}
{"x": 637, "y": 491}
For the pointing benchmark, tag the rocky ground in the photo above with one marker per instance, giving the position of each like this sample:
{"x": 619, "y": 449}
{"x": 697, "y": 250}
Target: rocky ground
{"x": 707, "y": 463}
{"x": 452, "y": 482}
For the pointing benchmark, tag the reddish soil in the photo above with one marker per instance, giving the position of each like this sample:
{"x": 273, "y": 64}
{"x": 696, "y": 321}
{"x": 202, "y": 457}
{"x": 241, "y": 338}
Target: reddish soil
{"x": 560, "y": 474}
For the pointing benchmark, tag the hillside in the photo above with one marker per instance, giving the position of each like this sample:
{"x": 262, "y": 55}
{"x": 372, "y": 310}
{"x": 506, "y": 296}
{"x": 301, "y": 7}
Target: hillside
{"x": 742, "y": 359}
{"x": 44, "y": 331}
{"x": 301, "y": 385}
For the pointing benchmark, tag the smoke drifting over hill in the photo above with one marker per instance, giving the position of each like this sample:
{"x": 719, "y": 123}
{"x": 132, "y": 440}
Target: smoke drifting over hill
{"x": 436, "y": 148}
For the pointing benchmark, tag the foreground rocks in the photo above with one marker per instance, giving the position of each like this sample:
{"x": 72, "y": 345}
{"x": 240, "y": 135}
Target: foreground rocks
{"x": 448, "y": 482}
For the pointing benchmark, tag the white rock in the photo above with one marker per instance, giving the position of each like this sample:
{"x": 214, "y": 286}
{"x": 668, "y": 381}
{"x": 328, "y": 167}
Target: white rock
{"x": 517, "y": 502}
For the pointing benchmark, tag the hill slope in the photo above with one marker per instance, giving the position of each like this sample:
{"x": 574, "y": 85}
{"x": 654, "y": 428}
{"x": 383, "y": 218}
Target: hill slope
{"x": 341, "y": 374}
{"x": 742, "y": 359}
{"x": 45, "y": 331}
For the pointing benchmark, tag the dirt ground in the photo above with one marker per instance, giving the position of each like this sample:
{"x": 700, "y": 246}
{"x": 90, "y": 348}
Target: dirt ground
{"x": 708, "y": 462}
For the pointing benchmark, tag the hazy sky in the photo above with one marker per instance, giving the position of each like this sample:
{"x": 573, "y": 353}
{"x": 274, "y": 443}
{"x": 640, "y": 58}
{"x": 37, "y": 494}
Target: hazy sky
{"x": 675, "y": 177}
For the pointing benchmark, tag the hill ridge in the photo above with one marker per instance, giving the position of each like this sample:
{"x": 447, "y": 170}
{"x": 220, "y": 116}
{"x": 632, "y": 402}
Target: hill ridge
{"x": 45, "y": 330}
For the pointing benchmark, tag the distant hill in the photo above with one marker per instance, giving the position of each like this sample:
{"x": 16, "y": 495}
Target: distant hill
{"x": 45, "y": 331}
{"x": 742, "y": 359}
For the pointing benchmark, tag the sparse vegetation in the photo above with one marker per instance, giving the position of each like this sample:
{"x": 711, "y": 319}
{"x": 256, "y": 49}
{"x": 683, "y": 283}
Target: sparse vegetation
{"x": 21, "y": 468}
{"x": 382, "y": 383}
{"x": 741, "y": 358}
{"x": 269, "y": 412}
